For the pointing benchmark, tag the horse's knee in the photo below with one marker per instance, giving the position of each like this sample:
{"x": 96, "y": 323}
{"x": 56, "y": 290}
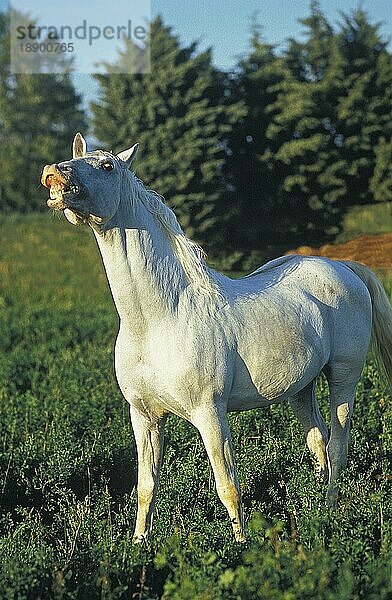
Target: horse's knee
{"x": 145, "y": 497}
{"x": 145, "y": 493}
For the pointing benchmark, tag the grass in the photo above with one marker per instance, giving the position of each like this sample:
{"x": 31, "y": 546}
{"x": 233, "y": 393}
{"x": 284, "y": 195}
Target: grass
{"x": 68, "y": 463}
{"x": 366, "y": 220}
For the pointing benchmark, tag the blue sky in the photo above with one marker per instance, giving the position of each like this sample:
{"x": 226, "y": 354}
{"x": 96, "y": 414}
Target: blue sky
{"x": 224, "y": 24}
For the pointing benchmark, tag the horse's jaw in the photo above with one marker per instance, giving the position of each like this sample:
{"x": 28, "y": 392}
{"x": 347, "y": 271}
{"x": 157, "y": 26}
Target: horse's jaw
{"x": 73, "y": 217}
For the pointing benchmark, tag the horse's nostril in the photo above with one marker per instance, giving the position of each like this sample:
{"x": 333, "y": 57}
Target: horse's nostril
{"x": 48, "y": 180}
{"x": 51, "y": 174}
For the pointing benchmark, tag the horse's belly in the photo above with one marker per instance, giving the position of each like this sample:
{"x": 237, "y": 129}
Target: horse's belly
{"x": 247, "y": 394}
{"x": 242, "y": 402}
{"x": 252, "y": 394}
{"x": 274, "y": 373}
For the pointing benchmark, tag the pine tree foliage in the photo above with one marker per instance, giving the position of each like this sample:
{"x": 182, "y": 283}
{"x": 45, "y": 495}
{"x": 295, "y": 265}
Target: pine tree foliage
{"x": 381, "y": 181}
{"x": 365, "y": 105}
{"x": 303, "y": 133}
{"x": 333, "y": 104}
{"x": 253, "y": 190}
{"x": 179, "y": 116}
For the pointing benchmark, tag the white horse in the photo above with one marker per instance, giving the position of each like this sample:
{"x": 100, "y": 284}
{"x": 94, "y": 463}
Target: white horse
{"x": 198, "y": 344}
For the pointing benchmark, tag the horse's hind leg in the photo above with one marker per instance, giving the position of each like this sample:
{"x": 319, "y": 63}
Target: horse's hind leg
{"x": 305, "y": 408}
{"x": 342, "y": 403}
{"x": 342, "y": 380}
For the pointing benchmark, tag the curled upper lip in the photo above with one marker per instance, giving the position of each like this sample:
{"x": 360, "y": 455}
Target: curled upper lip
{"x": 52, "y": 175}
{"x": 59, "y": 184}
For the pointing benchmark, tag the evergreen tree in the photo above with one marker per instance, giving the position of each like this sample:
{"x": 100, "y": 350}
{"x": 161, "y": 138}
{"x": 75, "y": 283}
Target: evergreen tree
{"x": 253, "y": 190}
{"x": 333, "y": 106}
{"x": 179, "y": 116}
{"x": 365, "y": 107}
{"x": 39, "y": 114}
{"x": 309, "y": 61}
{"x": 303, "y": 136}
{"x": 381, "y": 181}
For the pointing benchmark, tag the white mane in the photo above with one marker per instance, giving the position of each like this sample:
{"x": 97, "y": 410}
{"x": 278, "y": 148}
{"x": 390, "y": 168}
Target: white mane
{"x": 190, "y": 255}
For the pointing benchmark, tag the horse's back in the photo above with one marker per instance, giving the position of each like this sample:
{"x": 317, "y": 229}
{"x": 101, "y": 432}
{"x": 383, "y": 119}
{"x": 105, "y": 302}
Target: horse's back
{"x": 313, "y": 290}
{"x": 329, "y": 281}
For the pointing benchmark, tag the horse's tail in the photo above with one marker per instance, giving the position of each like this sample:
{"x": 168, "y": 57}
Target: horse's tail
{"x": 381, "y": 313}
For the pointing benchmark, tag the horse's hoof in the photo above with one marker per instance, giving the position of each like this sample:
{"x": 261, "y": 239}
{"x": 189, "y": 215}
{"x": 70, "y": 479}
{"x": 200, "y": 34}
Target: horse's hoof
{"x": 139, "y": 539}
{"x": 332, "y": 499}
{"x": 321, "y": 475}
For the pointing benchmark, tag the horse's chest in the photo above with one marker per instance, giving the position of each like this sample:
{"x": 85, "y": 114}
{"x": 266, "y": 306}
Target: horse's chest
{"x": 171, "y": 374}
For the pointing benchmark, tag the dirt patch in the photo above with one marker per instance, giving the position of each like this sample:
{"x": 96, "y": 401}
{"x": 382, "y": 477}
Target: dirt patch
{"x": 372, "y": 250}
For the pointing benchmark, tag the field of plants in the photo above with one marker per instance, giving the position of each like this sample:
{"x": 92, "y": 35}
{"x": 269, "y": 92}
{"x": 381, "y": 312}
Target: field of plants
{"x": 68, "y": 463}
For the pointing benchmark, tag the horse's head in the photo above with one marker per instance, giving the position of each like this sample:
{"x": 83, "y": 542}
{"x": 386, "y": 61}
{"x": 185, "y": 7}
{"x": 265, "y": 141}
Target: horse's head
{"x": 88, "y": 186}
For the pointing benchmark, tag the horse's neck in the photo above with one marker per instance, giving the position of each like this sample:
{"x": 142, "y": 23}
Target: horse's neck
{"x": 145, "y": 276}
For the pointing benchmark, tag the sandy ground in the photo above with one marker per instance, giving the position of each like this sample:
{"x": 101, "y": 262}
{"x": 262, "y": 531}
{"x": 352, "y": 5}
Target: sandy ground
{"x": 372, "y": 250}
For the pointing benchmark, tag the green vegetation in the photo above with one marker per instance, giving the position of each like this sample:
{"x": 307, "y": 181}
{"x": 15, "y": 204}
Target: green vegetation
{"x": 68, "y": 463}
{"x": 369, "y": 219}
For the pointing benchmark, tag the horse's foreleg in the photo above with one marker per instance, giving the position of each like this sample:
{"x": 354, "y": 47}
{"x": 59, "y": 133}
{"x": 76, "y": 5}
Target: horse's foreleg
{"x": 149, "y": 442}
{"x": 215, "y": 433}
{"x": 305, "y": 408}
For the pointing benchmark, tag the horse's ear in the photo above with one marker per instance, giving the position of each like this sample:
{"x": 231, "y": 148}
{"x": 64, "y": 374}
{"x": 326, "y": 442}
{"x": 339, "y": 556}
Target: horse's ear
{"x": 127, "y": 156}
{"x": 79, "y": 146}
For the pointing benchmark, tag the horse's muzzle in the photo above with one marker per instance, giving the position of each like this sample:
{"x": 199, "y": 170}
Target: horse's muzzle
{"x": 51, "y": 174}
{"x": 62, "y": 189}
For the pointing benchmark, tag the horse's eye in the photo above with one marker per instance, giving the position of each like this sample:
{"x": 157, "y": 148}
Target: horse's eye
{"x": 107, "y": 166}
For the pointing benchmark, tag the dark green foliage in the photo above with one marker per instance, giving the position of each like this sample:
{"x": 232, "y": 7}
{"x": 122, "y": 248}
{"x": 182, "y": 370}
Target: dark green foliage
{"x": 260, "y": 220}
{"x": 304, "y": 144}
{"x": 68, "y": 463}
{"x": 365, "y": 107}
{"x": 381, "y": 182}
{"x": 178, "y": 115}
{"x": 303, "y": 141}
{"x": 39, "y": 115}
{"x": 315, "y": 137}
